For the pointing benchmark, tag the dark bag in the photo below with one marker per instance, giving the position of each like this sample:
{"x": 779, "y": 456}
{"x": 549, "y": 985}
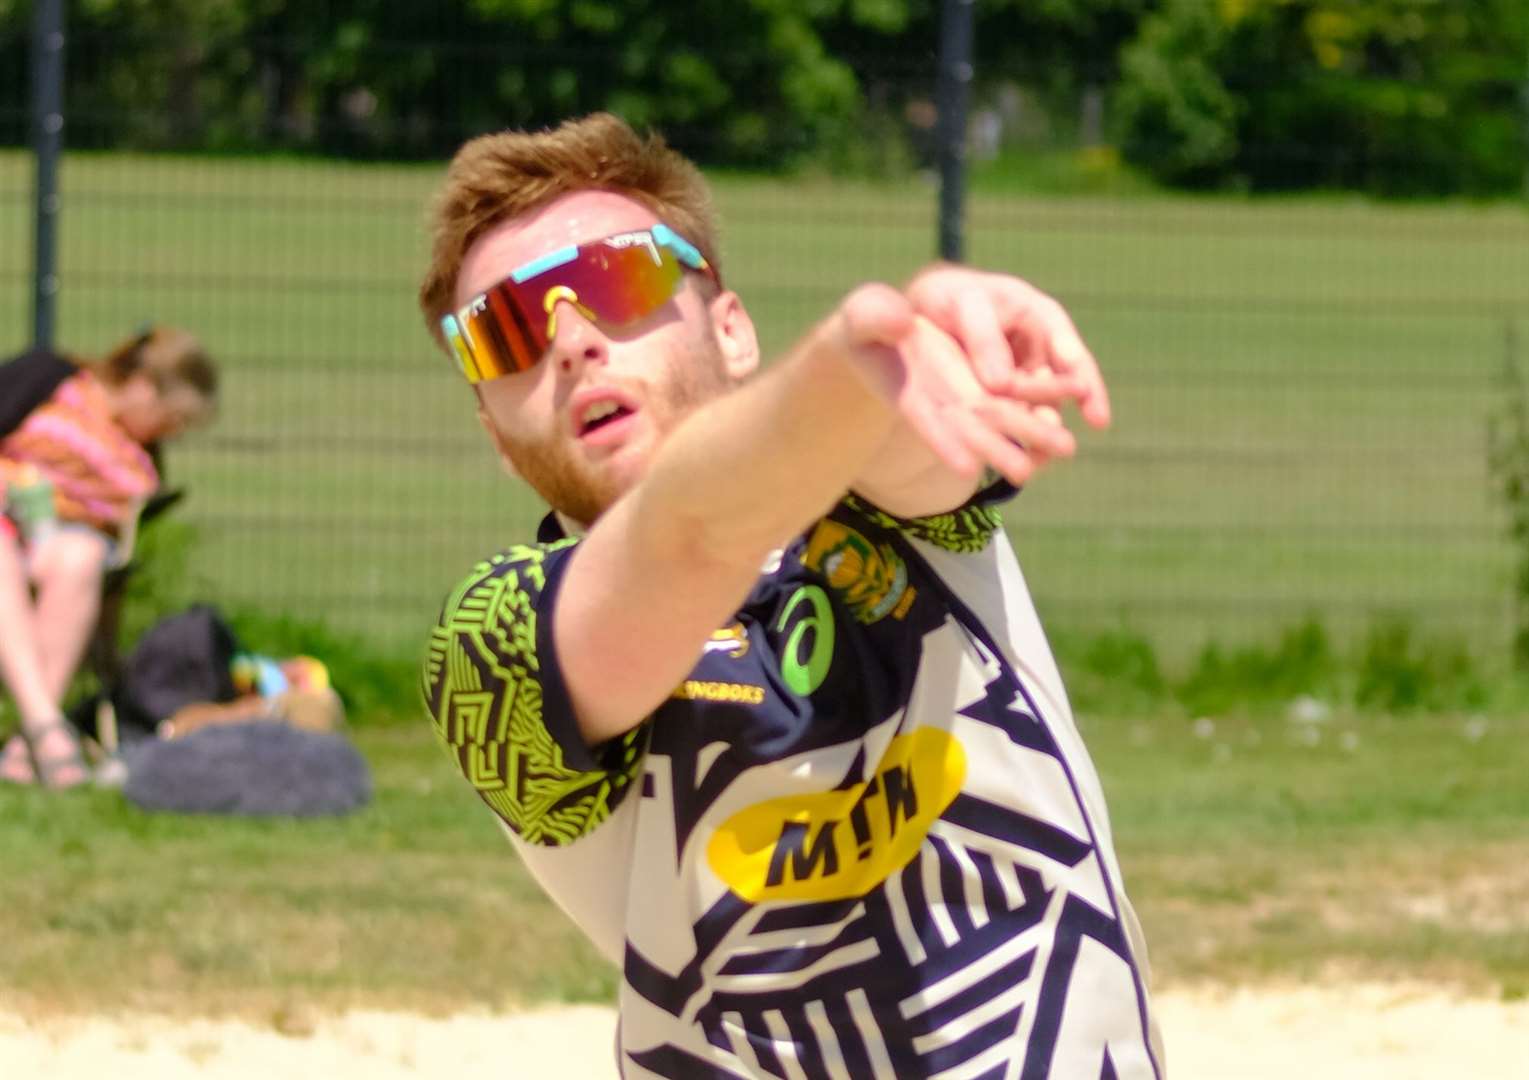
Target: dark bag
{"x": 182, "y": 659}
{"x": 27, "y": 382}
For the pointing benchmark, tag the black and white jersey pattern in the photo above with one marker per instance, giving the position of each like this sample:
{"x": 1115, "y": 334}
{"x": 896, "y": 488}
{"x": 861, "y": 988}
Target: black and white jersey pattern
{"x": 865, "y": 839}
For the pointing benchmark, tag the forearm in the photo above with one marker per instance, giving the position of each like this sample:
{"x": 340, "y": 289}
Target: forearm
{"x": 674, "y": 557}
{"x": 751, "y": 470}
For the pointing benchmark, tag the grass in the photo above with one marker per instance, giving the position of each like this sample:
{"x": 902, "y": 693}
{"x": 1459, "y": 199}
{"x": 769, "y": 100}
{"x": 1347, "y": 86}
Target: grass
{"x": 108, "y": 907}
{"x": 1365, "y": 845}
{"x": 1255, "y": 849}
{"x": 1301, "y": 386}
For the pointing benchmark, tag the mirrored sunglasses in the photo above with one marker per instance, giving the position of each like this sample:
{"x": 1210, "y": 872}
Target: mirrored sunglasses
{"x": 614, "y": 282}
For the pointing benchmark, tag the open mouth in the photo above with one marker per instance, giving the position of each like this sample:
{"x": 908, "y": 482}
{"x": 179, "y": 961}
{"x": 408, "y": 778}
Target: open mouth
{"x": 602, "y": 414}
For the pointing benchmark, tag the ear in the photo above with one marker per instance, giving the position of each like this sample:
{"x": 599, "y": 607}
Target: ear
{"x": 494, "y": 437}
{"x": 736, "y": 336}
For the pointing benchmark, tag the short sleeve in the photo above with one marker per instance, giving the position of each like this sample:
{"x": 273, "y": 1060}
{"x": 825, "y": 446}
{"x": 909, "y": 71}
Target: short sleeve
{"x": 966, "y": 529}
{"x": 495, "y": 693}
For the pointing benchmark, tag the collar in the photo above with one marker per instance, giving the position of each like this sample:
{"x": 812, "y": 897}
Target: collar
{"x": 555, "y": 527}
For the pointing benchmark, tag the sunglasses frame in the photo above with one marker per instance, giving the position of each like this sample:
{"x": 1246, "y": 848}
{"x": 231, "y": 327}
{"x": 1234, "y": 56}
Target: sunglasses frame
{"x": 659, "y": 238}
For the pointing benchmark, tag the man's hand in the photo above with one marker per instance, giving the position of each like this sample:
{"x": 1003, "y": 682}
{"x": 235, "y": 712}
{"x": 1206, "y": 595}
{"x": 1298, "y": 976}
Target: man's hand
{"x": 1013, "y": 334}
{"x": 992, "y": 405}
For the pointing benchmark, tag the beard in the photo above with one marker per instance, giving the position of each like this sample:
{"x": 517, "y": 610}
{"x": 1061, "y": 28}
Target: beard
{"x": 583, "y": 491}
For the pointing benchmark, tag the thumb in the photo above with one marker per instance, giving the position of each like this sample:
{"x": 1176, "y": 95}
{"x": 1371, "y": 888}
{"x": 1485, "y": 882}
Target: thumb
{"x": 876, "y": 314}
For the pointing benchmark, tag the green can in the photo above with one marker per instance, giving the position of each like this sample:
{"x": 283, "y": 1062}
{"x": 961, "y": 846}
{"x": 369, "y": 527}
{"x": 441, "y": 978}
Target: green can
{"x": 29, "y": 501}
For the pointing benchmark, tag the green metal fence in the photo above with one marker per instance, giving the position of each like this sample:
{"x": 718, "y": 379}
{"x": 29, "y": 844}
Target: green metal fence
{"x": 1302, "y": 385}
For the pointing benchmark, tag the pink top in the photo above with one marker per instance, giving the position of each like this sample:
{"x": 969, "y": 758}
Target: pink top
{"x": 100, "y": 475}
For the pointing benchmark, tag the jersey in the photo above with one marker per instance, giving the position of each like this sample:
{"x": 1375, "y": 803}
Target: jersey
{"x": 862, "y": 838}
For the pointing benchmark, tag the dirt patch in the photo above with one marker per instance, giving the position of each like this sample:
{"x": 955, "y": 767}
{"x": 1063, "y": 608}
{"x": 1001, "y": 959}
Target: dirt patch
{"x": 1360, "y": 1031}
{"x": 576, "y": 1043}
{"x": 1351, "y": 1032}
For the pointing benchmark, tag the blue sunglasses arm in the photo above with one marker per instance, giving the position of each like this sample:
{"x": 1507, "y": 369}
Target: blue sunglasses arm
{"x": 684, "y": 249}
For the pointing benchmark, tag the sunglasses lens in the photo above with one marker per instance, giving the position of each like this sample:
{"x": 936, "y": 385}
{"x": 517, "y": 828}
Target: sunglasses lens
{"x": 616, "y": 282}
{"x": 621, "y": 285}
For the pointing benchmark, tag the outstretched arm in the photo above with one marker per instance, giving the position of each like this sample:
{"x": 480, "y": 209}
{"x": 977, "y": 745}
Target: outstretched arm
{"x": 676, "y": 555}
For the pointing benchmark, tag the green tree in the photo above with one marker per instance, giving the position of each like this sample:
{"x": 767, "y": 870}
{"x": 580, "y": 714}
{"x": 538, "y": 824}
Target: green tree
{"x": 1393, "y": 96}
{"x": 1176, "y": 116}
{"x": 15, "y": 20}
{"x": 153, "y": 72}
{"x": 754, "y": 82}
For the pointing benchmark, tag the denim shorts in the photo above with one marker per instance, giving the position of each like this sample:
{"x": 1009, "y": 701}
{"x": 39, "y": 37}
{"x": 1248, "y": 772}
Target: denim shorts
{"x": 8, "y": 527}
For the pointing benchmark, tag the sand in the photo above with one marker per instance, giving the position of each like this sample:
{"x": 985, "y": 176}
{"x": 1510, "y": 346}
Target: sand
{"x": 1353, "y": 1032}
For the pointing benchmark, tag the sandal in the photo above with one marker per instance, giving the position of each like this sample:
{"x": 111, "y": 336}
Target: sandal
{"x": 16, "y": 762}
{"x": 57, "y": 768}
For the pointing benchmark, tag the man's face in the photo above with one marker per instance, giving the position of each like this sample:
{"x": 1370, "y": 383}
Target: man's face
{"x": 581, "y": 426}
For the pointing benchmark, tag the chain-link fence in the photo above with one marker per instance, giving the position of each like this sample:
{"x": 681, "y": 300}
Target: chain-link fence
{"x": 1302, "y": 386}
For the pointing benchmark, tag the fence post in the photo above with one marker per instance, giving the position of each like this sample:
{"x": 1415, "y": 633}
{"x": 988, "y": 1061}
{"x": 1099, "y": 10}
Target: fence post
{"x": 47, "y": 147}
{"x": 950, "y": 98}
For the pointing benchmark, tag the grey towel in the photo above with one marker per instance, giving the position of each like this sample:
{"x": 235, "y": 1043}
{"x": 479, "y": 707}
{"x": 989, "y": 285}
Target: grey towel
{"x": 260, "y": 768}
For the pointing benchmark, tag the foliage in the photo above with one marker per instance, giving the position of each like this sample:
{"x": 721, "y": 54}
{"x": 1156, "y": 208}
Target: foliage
{"x": 160, "y": 578}
{"x": 1399, "y": 97}
{"x": 751, "y": 83}
{"x": 1096, "y": 170}
{"x": 1114, "y": 671}
{"x": 1392, "y": 96}
{"x": 1508, "y": 462}
{"x": 1302, "y": 663}
{"x": 1399, "y": 673}
{"x": 1176, "y": 115}
{"x": 1390, "y": 669}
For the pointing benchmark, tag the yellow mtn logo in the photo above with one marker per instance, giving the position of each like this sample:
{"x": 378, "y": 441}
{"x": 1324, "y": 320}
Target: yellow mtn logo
{"x": 836, "y": 845}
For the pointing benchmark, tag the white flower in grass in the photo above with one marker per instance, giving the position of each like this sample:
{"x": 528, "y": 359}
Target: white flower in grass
{"x": 1309, "y": 710}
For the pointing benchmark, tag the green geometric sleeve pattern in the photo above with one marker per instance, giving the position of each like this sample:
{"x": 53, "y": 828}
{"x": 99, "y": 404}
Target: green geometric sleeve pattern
{"x": 482, "y": 683}
{"x": 964, "y": 530}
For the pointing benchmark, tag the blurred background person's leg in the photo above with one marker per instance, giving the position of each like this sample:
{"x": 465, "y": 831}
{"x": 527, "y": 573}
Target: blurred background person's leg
{"x": 66, "y": 573}
{"x": 54, "y": 748}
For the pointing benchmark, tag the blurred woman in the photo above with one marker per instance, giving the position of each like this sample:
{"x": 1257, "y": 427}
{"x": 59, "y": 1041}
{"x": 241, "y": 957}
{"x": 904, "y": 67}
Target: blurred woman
{"x": 77, "y": 470}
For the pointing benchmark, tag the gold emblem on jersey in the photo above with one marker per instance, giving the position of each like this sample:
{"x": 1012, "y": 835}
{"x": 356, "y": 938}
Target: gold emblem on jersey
{"x": 732, "y": 640}
{"x": 871, "y": 579}
{"x": 836, "y": 845}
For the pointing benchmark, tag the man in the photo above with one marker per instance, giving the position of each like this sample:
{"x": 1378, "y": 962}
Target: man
{"x": 766, "y": 708}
